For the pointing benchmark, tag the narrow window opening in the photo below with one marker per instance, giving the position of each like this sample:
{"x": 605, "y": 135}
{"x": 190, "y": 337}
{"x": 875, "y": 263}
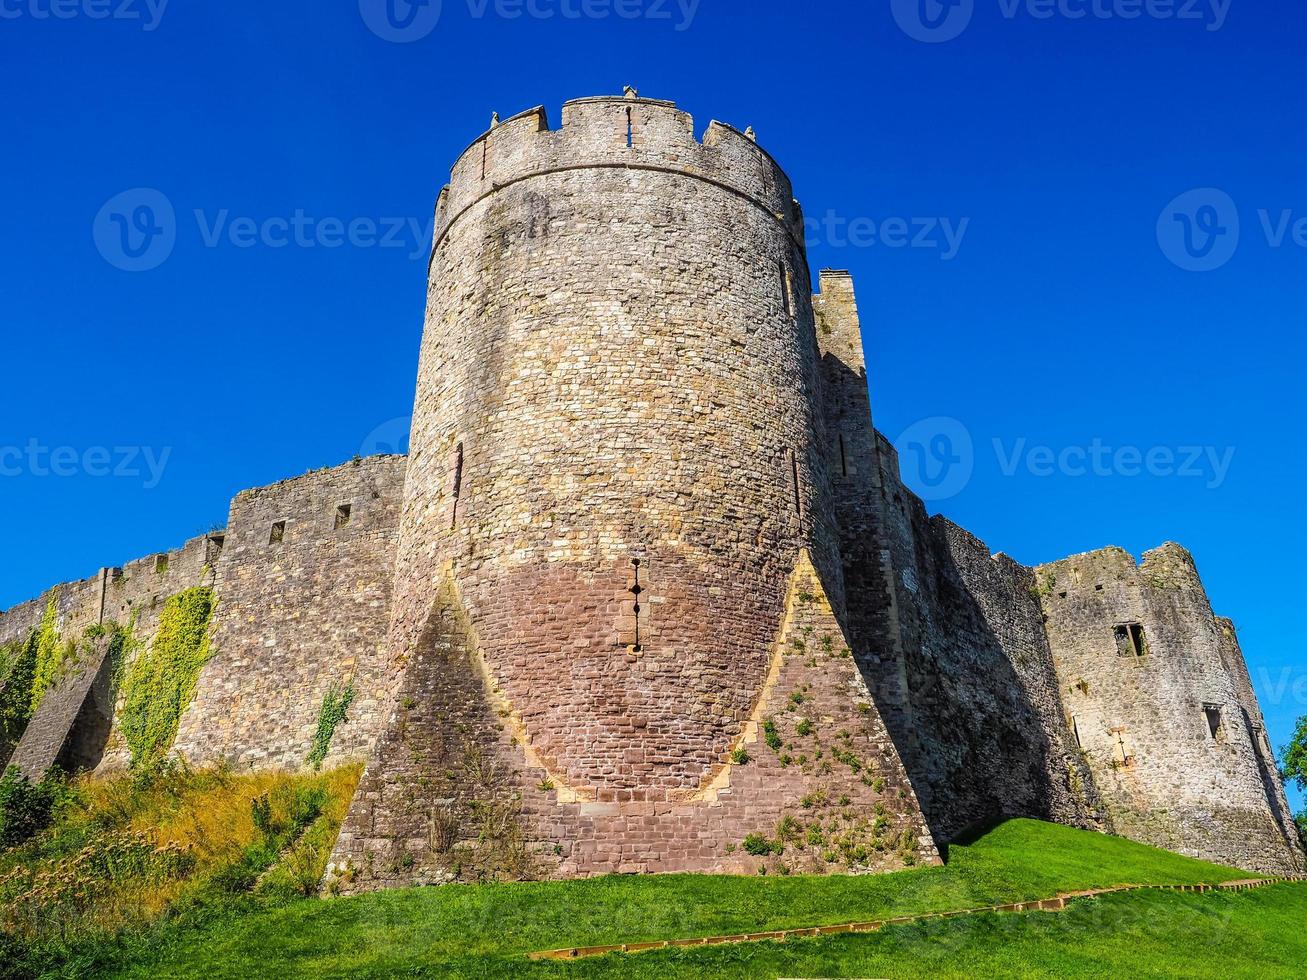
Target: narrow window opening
{"x": 844, "y": 459}
{"x": 160, "y": 564}
{"x": 636, "y": 590}
{"x": 1215, "y": 724}
{"x": 787, "y": 302}
{"x": 794, "y": 477}
{"x": 1123, "y": 748}
{"x": 278, "y": 534}
{"x": 1074, "y": 723}
{"x": 456, "y": 487}
{"x": 1130, "y": 641}
{"x": 630, "y": 129}
{"x": 1098, "y": 588}
{"x": 484, "y": 148}
{"x": 343, "y": 514}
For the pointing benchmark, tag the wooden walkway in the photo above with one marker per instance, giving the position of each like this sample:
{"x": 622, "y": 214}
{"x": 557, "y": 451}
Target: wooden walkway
{"x": 1053, "y": 904}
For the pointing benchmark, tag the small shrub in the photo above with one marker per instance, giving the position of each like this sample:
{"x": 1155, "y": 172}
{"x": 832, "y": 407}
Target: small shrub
{"x": 804, "y": 727}
{"x": 27, "y": 808}
{"x": 760, "y": 846}
{"x": 771, "y": 736}
{"x": 739, "y": 756}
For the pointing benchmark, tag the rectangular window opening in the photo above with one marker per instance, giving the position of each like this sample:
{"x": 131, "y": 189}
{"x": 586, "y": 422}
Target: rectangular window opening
{"x": 456, "y": 486}
{"x": 160, "y": 564}
{"x": 343, "y": 513}
{"x": 1074, "y": 723}
{"x": 630, "y": 129}
{"x": 844, "y": 459}
{"x": 213, "y": 547}
{"x": 278, "y": 534}
{"x": 1130, "y": 640}
{"x": 794, "y": 476}
{"x": 1215, "y": 724}
{"x": 485, "y": 144}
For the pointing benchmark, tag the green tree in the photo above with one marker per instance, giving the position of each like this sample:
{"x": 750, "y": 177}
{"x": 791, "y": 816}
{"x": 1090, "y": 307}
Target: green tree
{"x": 1293, "y": 766}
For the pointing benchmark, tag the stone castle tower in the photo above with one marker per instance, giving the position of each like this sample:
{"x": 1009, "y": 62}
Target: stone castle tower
{"x": 648, "y": 594}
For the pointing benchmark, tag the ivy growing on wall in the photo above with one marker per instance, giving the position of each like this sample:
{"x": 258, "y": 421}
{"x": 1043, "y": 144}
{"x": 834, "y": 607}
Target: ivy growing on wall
{"x": 160, "y": 682}
{"x": 334, "y": 705}
{"x": 53, "y": 655}
{"x": 17, "y": 670}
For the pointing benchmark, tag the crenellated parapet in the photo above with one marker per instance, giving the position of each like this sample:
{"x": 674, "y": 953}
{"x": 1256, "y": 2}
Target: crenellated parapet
{"x": 620, "y": 133}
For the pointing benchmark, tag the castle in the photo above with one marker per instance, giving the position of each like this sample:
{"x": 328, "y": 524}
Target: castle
{"x": 648, "y": 594}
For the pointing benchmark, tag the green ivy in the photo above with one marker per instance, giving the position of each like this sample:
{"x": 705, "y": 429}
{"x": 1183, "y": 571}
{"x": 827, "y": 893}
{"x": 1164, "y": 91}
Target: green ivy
{"x": 159, "y": 683}
{"x": 334, "y": 705}
{"x": 16, "y": 694}
{"x": 52, "y": 655}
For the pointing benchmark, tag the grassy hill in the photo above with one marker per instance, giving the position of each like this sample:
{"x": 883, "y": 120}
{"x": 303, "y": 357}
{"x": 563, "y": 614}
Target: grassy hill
{"x": 486, "y": 930}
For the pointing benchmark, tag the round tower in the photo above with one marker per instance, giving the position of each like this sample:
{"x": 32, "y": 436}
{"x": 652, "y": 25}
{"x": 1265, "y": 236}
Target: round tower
{"x": 615, "y": 451}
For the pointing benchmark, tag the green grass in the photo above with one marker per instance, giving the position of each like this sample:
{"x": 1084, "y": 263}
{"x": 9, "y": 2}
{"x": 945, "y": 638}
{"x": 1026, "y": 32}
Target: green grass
{"x": 483, "y": 931}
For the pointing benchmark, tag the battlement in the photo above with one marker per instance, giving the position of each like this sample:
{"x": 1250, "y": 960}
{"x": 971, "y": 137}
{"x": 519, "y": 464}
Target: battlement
{"x": 616, "y": 132}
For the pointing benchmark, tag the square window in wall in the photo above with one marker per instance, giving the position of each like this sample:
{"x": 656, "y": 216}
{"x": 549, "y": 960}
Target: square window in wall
{"x": 1130, "y": 640}
{"x": 278, "y": 534}
{"x": 343, "y": 515}
{"x": 1215, "y": 723}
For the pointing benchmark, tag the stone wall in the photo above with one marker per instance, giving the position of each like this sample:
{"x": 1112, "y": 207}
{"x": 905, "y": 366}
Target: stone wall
{"x": 296, "y": 615}
{"x": 1145, "y": 672}
{"x": 812, "y": 771}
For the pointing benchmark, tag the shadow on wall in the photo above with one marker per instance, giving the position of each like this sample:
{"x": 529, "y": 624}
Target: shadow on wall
{"x": 951, "y": 640}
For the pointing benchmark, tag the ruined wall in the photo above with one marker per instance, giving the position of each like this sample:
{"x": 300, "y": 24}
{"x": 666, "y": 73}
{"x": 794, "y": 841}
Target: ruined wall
{"x": 296, "y": 615}
{"x": 1140, "y": 659}
{"x": 616, "y": 454}
{"x": 74, "y": 723}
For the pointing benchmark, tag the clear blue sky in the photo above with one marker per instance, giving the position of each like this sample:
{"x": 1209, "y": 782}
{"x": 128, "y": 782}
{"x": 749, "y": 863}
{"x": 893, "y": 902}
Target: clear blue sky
{"x": 1059, "y": 320}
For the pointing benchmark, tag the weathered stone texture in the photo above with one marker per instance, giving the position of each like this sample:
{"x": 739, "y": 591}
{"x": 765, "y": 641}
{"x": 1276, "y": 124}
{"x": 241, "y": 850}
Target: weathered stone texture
{"x": 1144, "y": 707}
{"x": 72, "y": 698}
{"x": 296, "y": 615}
{"x": 456, "y": 751}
